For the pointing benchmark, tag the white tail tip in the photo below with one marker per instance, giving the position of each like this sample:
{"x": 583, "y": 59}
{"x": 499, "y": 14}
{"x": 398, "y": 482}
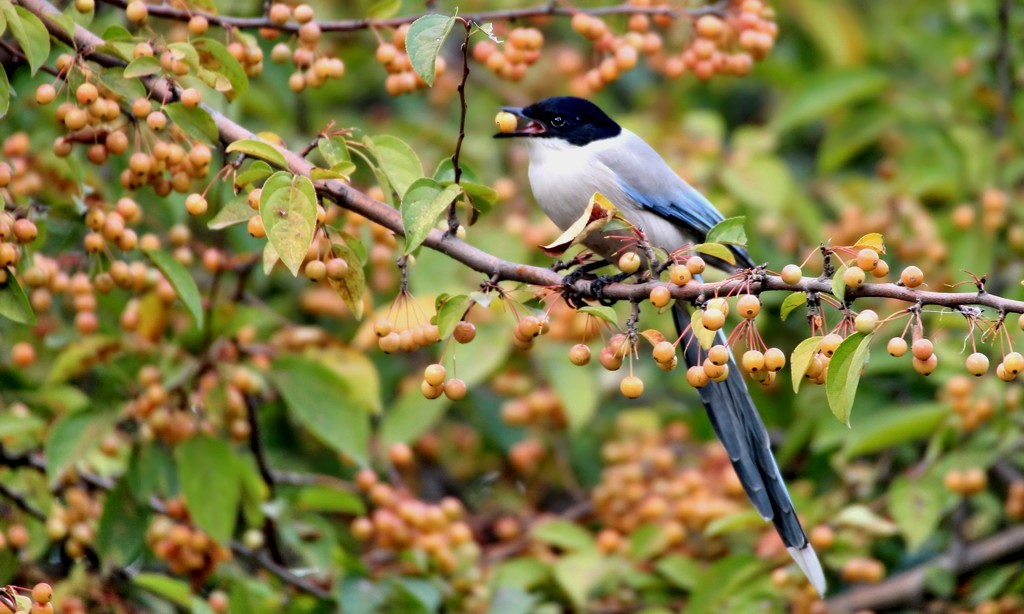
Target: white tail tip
{"x": 808, "y": 563}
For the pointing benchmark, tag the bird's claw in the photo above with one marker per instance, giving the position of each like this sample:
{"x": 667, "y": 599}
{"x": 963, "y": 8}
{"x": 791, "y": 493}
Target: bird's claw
{"x": 598, "y": 285}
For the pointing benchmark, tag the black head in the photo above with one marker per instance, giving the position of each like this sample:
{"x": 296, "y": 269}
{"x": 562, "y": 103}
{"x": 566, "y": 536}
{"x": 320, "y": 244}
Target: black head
{"x": 574, "y": 120}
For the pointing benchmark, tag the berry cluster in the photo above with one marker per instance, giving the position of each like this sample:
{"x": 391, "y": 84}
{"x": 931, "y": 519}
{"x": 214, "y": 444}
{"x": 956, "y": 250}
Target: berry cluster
{"x": 428, "y": 537}
{"x": 76, "y": 520}
{"x": 391, "y": 337}
{"x": 522, "y": 49}
{"x": 662, "y": 477}
{"x": 539, "y": 407}
{"x": 402, "y": 79}
{"x": 186, "y": 549}
{"x": 313, "y": 68}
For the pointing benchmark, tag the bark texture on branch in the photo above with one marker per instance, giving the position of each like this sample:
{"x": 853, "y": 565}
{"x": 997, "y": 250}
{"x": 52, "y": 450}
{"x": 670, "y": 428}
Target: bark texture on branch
{"x": 908, "y": 587}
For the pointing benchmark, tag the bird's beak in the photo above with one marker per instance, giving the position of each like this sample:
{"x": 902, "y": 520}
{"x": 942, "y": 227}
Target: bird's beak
{"x": 532, "y": 127}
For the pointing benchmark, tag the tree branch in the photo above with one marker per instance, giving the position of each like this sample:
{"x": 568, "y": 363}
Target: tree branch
{"x": 503, "y": 270}
{"x": 907, "y": 587}
{"x": 549, "y": 9}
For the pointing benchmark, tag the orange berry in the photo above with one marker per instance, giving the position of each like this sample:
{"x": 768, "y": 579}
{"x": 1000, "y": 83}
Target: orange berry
{"x": 696, "y": 377}
{"x": 660, "y": 296}
{"x": 631, "y": 386}
{"x": 867, "y": 259}
{"x": 911, "y": 277}
{"x": 629, "y": 262}
{"x": 854, "y": 277}
{"x": 434, "y": 374}
{"x": 23, "y": 354}
{"x": 922, "y": 349}
{"x": 695, "y": 264}
{"x": 791, "y": 274}
{"x": 680, "y": 275}
{"x": 464, "y": 332}
{"x": 45, "y": 93}
{"x": 718, "y": 355}
{"x": 455, "y": 389}
{"x": 579, "y": 354}
{"x": 748, "y": 306}
{"x": 977, "y": 364}
{"x": 774, "y": 359}
{"x": 897, "y": 346}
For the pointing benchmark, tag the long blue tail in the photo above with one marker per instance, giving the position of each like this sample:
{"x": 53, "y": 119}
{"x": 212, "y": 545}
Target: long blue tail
{"x": 738, "y": 424}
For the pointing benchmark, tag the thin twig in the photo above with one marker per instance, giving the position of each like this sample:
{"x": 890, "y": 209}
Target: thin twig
{"x": 453, "y": 218}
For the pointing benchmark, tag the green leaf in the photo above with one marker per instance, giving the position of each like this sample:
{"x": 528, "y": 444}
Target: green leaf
{"x": 399, "y": 163}
{"x": 827, "y": 92}
{"x": 121, "y": 536}
{"x": 603, "y": 312}
{"x": 762, "y": 181}
{"x": 681, "y": 571}
{"x": 289, "y": 215}
{"x": 79, "y": 356}
{"x": 326, "y": 499}
{"x": 333, "y": 150}
{"x": 892, "y": 428}
{"x": 114, "y": 80}
{"x": 235, "y": 211}
{"x": 716, "y": 250}
{"x": 729, "y": 231}
{"x": 186, "y": 53}
{"x": 194, "y": 121}
{"x": 215, "y": 57}
{"x": 800, "y": 360}
{"x": 151, "y": 472}
{"x": 449, "y": 314}
{"x": 324, "y": 404}
{"x": 578, "y": 574}
{"x": 211, "y": 485}
{"x": 175, "y": 591}
{"x": 839, "y": 284}
{"x": 851, "y": 136}
{"x": 5, "y": 93}
{"x": 792, "y": 301}
{"x": 862, "y": 517}
{"x": 420, "y": 594}
{"x": 646, "y": 541}
{"x": 422, "y": 206}
{"x": 181, "y": 280}
{"x": 350, "y": 287}
{"x": 72, "y": 437}
{"x": 742, "y": 520}
{"x": 423, "y": 43}
{"x": 257, "y": 171}
{"x": 574, "y": 386}
{"x": 844, "y": 374}
{"x": 14, "y": 305}
{"x": 258, "y": 149}
{"x": 30, "y": 33}
{"x": 141, "y": 67}
{"x": 916, "y": 506}
{"x": 384, "y": 9}
{"x": 411, "y": 416}
{"x": 563, "y": 534}
{"x": 523, "y": 573}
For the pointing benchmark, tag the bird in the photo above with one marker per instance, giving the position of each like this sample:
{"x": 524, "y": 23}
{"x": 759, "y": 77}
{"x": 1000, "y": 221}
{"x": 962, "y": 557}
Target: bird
{"x": 576, "y": 150}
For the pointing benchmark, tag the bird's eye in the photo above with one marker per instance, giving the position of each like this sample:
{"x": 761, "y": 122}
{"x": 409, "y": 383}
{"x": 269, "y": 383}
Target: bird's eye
{"x": 557, "y": 122}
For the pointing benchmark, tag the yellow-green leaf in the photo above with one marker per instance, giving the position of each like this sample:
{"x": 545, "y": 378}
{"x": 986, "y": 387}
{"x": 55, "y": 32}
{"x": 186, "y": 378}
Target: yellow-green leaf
{"x": 800, "y": 360}
{"x": 181, "y": 279}
{"x": 30, "y": 33}
{"x": 215, "y": 57}
{"x": 14, "y": 305}
{"x": 423, "y": 204}
{"x": 716, "y": 250}
{"x": 323, "y": 403}
{"x": 844, "y": 374}
{"x": 872, "y": 240}
{"x": 839, "y": 284}
{"x": 288, "y": 209}
{"x": 235, "y": 211}
{"x": 210, "y": 481}
{"x": 705, "y": 337}
{"x": 729, "y": 231}
{"x": 258, "y": 149}
{"x": 193, "y": 121}
{"x": 603, "y": 312}
{"x": 792, "y": 301}
{"x": 399, "y": 163}
{"x": 423, "y": 43}
{"x": 352, "y": 286}
{"x": 142, "y": 66}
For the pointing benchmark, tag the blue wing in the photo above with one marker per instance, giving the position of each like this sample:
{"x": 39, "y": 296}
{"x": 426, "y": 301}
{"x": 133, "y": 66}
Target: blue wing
{"x": 667, "y": 195}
